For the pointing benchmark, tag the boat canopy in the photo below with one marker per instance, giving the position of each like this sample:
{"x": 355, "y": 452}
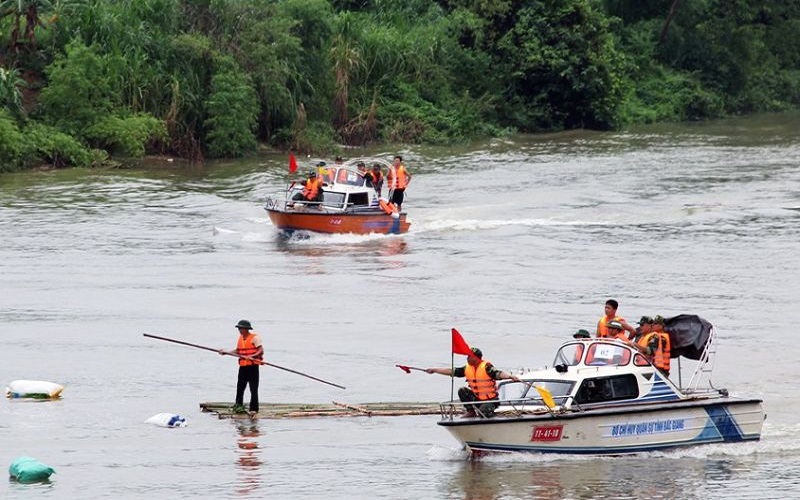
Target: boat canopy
{"x": 688, "y": 334}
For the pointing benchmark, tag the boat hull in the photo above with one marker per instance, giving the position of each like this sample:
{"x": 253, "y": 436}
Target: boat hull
{"x": 333, "y": 222}
{"x": 614, "y": 431}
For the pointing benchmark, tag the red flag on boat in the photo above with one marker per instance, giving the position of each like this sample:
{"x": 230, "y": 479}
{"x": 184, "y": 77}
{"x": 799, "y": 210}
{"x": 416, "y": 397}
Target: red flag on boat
{"x": 460, "y": 346}
{"x": 292, "y": 163}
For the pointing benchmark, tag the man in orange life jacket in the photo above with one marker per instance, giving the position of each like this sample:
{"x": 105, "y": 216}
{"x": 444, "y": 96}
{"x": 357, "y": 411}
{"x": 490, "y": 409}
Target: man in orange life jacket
{"x": 398, "y": 180}
{"x": 481, "y": 376}
{"x": 249, "y": 345}
{"x": 312, "y": 189}
{"x": 375, "y": 178}
{"x": 656, "y": 346}
{"x": 644, "y": 328}
{"x": 611, "y": 315}
{"x": 614, "y": 331}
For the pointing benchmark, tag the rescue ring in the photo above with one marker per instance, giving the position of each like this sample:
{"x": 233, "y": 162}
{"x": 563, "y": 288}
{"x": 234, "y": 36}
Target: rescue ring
{"x": 388, "y": 207}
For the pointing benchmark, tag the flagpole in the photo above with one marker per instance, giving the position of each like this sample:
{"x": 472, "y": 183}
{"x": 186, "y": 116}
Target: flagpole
{"x": 459, "y": 346}
{"x": 452, "y": 374}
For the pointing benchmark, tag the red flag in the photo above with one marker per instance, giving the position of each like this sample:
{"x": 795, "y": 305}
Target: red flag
{"x": 292, "y": 163}
{"x": 459, "y": 344}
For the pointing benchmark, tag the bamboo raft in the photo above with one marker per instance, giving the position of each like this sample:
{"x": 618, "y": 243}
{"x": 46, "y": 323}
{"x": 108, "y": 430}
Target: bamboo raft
{"x": 335, "y": 409}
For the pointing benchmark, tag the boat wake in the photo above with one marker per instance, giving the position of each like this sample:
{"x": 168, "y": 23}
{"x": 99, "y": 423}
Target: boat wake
{"x": 488, "y": 224}
{"x": 445, "y": 454}
{"x": 221, "y": 230}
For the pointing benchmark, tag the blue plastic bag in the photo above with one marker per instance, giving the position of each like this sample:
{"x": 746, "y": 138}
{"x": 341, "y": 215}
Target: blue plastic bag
{"x": 29, "y": 470}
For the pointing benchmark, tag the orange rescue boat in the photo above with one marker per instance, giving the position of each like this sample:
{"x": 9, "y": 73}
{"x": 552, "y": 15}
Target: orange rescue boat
{"x": 350, "y": 204}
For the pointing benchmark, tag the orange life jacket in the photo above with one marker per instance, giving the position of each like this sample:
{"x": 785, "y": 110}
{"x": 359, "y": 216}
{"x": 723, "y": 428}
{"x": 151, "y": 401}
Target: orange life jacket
{"x": 602, "y": 329}
{"x": 398, "y": 179}
{"x": 245, "y": 347}
{"x": 311, "y": 189}
{"x": 387, "y": 206}
{"x": 375, "y": 177}
{"x": 661, "y": 356}
{"x": 480, "y": 382}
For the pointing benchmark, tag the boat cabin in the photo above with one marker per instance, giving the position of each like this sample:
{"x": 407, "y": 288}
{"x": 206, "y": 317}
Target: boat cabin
{"x": 344, "y": 189}
{"x": 590, "y": 372}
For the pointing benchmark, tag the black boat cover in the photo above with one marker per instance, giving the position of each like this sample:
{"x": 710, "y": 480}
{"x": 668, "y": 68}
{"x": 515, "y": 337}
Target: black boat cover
{"x": 688, "y": 335}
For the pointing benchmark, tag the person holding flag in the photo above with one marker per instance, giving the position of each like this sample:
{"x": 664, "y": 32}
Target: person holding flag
{"x": 480, "y": 376}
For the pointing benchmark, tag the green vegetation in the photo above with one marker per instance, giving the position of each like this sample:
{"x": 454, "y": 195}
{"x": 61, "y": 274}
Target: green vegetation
{"x": 84, "y": 79}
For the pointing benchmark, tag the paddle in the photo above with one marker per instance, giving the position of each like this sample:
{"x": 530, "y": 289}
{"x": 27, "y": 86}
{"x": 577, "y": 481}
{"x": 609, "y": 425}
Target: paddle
{"x": 259, "y": 361}
{"x": 408, "y": 369}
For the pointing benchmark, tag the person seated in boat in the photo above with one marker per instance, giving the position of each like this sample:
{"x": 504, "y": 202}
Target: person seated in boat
{"x": 346, "y": 176}
{"x": 580, "y": 335}
{"x": 312, "y": 189}
{"x": 602, "y": 353}
{"x": 611, "y": 307}
{"x": 375, "y": 178}
{"x": 615, "y": 330}
{"x": 362, "y": 168}
{"x": 644, "y": 328}
{"x": 481, "y": 376}
{"x": 590, "y": 392}
{"x": 656, "y": 345}
{"x": 324, "y": 173}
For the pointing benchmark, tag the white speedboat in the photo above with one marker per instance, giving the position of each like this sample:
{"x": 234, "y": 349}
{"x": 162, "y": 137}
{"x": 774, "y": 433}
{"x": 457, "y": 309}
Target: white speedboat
{"x": 604, "y": 397}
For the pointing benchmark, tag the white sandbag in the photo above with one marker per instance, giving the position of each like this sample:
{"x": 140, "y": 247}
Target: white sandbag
{"x": 37, "y": 389}
{"x": 167, "y": 420}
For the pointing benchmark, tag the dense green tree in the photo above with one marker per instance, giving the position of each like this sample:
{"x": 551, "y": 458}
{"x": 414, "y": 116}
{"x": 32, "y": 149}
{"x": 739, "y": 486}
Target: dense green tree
{"x": 562, "y": 67}
{"x": 80, "y": 101}
{"x": 10, "y": 93}
{"x": 232, "y": 112}
{"x": 11, "y": 141}
{"x": 209, "y": 77}
{"x": 79, "y": 92}
{"x": 262, "y": 42}
{"x": 31, "y": 12}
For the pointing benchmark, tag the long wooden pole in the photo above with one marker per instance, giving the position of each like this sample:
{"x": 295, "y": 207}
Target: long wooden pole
{"x": 259, "y": 361}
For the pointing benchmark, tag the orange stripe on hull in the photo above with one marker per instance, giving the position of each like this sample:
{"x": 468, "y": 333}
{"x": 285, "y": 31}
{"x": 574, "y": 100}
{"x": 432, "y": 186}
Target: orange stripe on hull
{"x": 322, "y": 222}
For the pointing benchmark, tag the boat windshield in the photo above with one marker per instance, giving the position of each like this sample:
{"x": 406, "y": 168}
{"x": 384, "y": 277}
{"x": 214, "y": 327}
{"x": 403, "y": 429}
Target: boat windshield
{"x": 570, "y": 354}
{"x": 607, "y": 354}
{"x": 345, "y": 175}
{"x": 596, "y": 354}
{"x": 519, "y": 391}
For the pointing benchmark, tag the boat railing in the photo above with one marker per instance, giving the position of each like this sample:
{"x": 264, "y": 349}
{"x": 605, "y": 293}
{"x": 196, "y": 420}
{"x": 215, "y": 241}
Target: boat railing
{"x": 283, "y": 202}
{"x": 286, "y": 204}
{"x": 506, "y": 407}
{"x": 701, "y": 376}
